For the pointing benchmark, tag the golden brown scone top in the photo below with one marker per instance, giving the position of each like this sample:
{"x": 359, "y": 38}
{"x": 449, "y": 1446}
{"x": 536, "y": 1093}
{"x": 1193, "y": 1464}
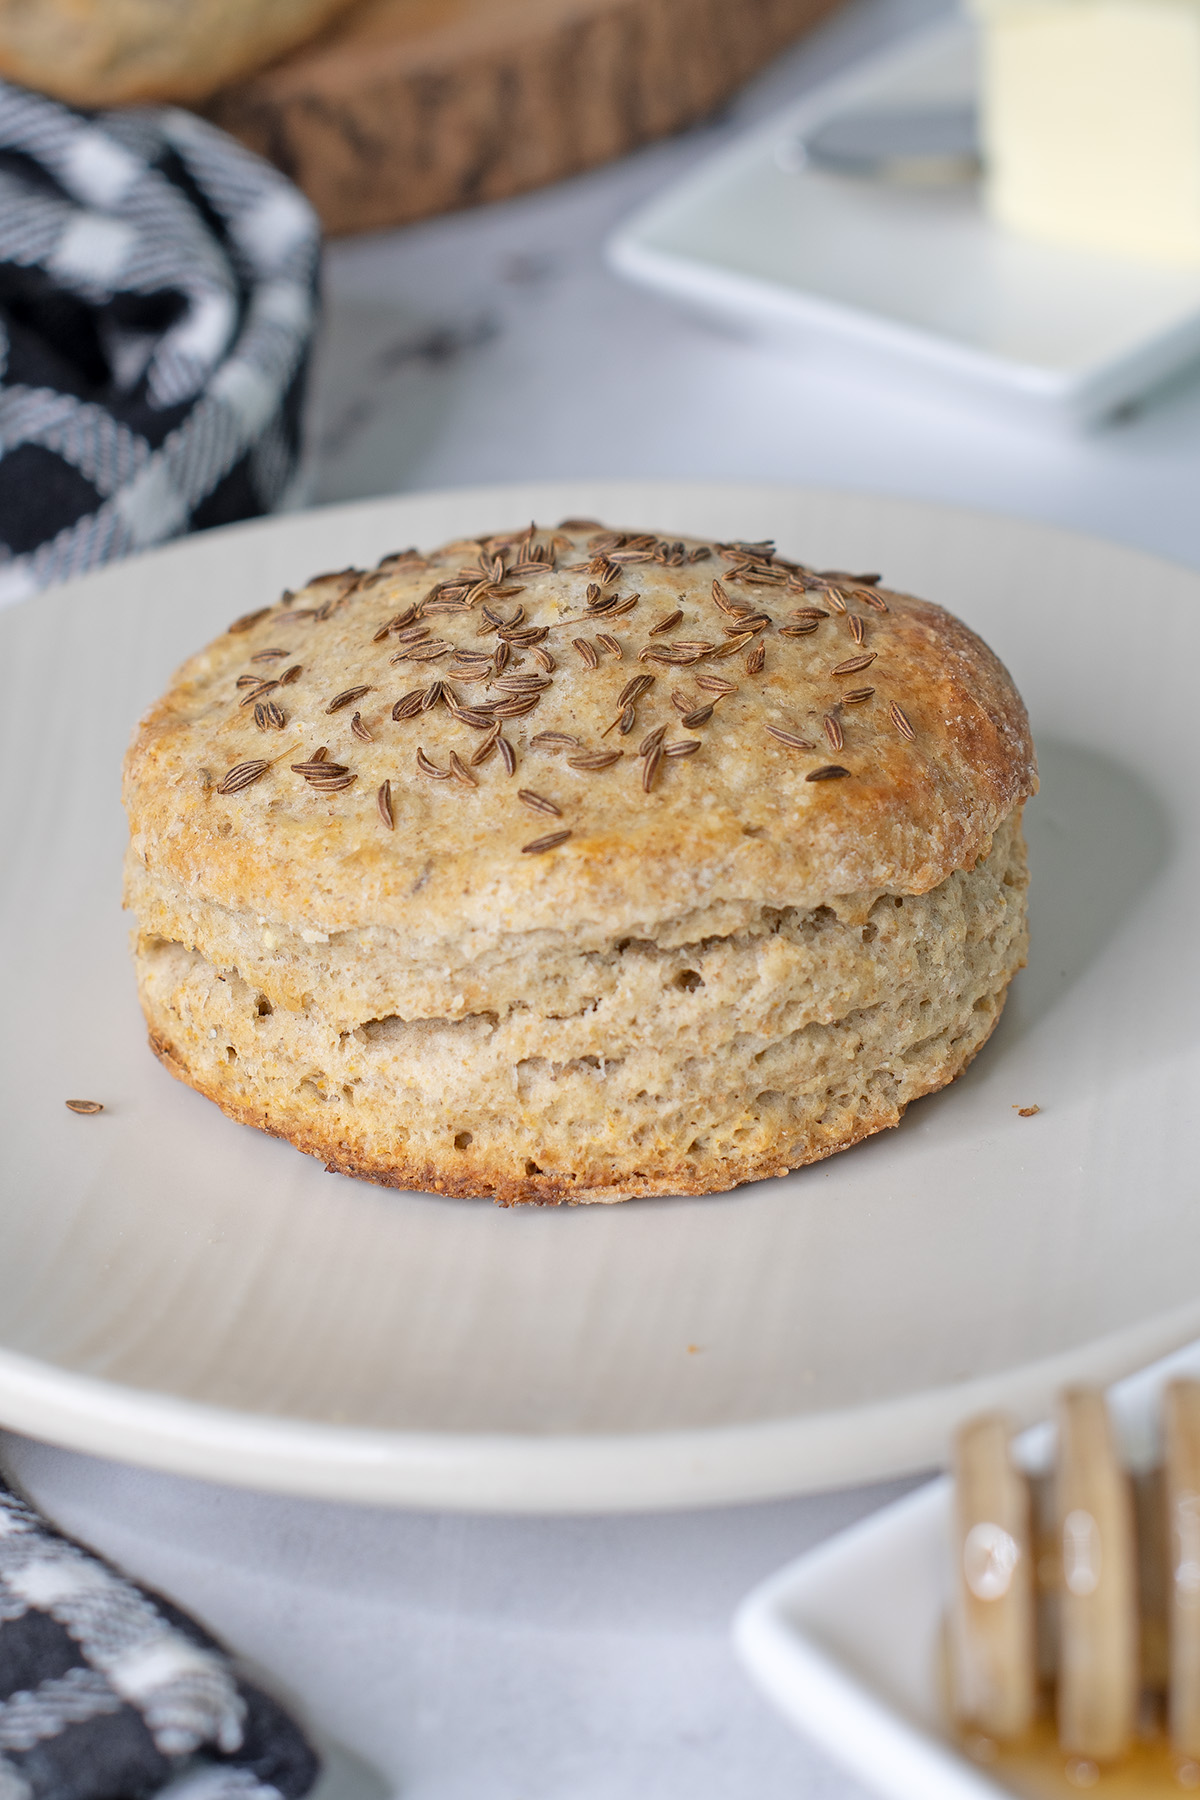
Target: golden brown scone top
{"x": 797, "y": 736}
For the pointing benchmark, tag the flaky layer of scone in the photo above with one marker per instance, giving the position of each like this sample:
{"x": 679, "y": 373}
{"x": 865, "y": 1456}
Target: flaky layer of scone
{"x": 644, "y": 1067}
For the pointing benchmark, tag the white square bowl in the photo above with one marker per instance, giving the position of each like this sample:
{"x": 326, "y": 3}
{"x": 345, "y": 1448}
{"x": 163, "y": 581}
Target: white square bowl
{"x": 846, "y": 1640}
{"x": 909, "y": 283}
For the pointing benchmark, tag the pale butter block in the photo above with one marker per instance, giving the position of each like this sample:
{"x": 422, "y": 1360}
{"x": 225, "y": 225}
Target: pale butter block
{"x": 1091, "y": 122}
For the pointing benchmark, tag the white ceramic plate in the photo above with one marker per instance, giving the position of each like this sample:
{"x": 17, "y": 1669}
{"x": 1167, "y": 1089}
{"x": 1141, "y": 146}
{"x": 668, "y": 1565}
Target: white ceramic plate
{"x": 846, "y": 1640}
{"x": 180, "y": 1290}
{"x": 914, "y": 281}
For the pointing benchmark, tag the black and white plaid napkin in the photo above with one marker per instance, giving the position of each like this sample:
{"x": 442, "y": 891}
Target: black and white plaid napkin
{"x": 157, "y": 287}
{"x": 108, "y": 1692}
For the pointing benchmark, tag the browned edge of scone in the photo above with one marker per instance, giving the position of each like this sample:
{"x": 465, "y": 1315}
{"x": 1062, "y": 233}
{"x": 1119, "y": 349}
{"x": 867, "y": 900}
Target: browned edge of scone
{"x": 538, "y": 1188}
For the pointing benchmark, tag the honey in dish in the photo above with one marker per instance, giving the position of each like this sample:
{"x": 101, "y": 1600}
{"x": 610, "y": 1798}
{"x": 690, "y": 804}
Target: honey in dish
{"x": 1036, "y": 1768}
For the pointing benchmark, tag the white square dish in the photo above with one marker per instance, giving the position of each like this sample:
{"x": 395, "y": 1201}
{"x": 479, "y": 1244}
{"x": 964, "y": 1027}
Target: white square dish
{"x": 846, "y": 1640}
{"x": 911, "y": 281}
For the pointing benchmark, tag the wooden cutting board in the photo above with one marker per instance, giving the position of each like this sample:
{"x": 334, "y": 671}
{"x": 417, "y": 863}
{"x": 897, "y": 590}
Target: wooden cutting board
{"x": 406, "y": 108}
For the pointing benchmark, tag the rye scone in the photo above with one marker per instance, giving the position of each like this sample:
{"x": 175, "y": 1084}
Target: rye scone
{"x": 576, "y": 864}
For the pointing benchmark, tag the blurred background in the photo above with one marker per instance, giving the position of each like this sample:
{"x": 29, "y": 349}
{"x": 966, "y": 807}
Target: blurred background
{"x": 491, "y": 306}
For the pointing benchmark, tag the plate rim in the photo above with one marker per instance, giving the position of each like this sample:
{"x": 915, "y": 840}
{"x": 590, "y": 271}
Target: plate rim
{"x": 510, "y": 1473}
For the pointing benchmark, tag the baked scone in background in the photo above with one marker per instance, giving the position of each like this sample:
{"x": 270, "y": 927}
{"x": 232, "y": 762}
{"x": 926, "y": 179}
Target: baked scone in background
{"x": 114, "y": 52}
{"x": 577, "y": 864}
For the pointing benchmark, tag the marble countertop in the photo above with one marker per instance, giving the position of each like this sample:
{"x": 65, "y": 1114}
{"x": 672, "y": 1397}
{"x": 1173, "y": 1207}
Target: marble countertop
{"x": 524, "y": 1659}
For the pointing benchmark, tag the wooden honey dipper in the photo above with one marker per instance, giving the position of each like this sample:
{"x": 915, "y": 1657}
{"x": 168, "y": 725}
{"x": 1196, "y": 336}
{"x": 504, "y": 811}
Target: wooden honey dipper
{"x": 1083, "y": 1589}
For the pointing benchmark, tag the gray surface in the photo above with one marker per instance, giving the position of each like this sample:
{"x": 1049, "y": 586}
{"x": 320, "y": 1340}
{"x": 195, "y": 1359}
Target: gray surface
{"x": 477, "y": 1660}
{"x": 474, "y": 1658}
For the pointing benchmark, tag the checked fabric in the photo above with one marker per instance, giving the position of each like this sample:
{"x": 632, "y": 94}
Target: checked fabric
{"x": 108, "y": 1692}
{"x": 157, "y": 291}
